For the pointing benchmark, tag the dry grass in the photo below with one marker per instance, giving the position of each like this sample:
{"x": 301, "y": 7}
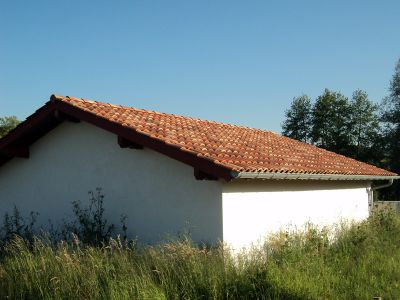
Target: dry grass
{"x": 358, "y": 261}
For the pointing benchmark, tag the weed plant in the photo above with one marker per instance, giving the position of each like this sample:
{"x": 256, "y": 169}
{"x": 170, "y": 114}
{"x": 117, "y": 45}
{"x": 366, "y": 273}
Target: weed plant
{"x": 356, "y": 261}
{"x": 88, "y": 224}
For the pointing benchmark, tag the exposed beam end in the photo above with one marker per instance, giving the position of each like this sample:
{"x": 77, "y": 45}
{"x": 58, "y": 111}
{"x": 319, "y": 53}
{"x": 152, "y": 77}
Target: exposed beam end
{"x": 21, "y": 151}
{"x": 200, "y": 175}
{"x": 124, "y": 143}
{"x": 64, "y": 117}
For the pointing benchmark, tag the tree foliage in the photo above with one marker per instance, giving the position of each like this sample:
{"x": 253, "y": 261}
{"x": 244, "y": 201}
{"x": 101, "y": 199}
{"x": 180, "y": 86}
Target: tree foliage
{"x": 354, "y": 128}
{"x": 391, "y": 117}
{"x": 331, "y": 123}
{"x": 6, "y": 124}
{"x": 298, "y": 119}
{"x": 391, "y": 120}
{"x": 334, "y": 123}
{"x": 365, "y": 128}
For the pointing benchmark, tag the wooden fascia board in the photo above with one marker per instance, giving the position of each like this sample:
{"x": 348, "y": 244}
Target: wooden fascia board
{"x": 172, "y": 151}
{"x": 16, "y": 143}
{"x": 41, "y": 116}
{"x": 20, "y": 151}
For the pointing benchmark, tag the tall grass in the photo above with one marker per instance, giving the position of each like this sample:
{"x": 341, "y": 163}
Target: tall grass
{"x": 358, "y": 261}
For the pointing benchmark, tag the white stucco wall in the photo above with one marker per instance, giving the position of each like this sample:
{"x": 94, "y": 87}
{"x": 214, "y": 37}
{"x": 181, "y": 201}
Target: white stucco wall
{"x": 158, "y": 194}
{"x": 252, "y": 209}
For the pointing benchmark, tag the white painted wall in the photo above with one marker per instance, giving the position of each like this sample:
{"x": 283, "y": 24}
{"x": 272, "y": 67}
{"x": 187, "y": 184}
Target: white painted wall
{"x": 254, "y": 208}
{"x": 158, "y": 194}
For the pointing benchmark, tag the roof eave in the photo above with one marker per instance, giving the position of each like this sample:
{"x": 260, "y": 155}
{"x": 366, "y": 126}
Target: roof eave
{"x": 45, "y": 118}
{"x": 304, "y": 176}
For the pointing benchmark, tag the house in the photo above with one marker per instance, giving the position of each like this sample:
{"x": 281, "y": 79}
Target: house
{"x": 170, "y": 173}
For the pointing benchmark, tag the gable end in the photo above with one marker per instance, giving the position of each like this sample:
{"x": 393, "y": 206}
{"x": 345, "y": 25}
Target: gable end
{"x": 55, "y": 112}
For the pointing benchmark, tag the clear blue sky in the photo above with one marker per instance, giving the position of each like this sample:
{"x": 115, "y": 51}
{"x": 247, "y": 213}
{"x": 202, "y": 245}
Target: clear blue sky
{"x": 233, "y": 61}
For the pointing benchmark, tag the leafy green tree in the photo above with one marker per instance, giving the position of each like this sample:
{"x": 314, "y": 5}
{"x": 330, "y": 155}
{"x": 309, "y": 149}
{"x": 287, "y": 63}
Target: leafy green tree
{"x": 297, "y": 124}
{"x": 391, "y": 119}
{"x": 6, "y": 124}
{"x": 365, "y": 128}
{"x": 331, "y": 123}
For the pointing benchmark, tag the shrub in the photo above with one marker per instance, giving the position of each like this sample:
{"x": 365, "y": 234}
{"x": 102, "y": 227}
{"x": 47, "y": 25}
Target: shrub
{"x": 88, "y": 224}
{"x": 16, "y": 225}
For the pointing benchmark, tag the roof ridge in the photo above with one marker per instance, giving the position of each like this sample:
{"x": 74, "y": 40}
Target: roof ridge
{"x": 56, "y": 97}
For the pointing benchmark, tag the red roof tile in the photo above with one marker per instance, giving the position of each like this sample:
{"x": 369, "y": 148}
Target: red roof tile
{"x": 237, "y": 148}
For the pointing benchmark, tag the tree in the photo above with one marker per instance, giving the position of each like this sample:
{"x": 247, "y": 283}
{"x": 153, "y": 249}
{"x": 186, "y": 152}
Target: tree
{"x": 331, "y": 124}
{"x": 365, "y": 128}
{"x": 6, "y": 124}
{"x": 297, "y": 124}
{"x": 391, "y": 119}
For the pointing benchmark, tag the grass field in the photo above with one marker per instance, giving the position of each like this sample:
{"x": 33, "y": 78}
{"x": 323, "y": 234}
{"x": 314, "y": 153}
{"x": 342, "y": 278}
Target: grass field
{"x": 358, "y": 261}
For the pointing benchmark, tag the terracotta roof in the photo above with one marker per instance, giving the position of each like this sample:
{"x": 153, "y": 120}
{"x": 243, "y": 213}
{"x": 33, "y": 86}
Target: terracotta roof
{"x": 216, "y": 149}
{"x": 238, "y": 148}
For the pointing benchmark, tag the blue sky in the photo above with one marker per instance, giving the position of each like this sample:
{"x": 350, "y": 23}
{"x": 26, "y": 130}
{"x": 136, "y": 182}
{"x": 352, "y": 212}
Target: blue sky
{"x": 234, "y": 61}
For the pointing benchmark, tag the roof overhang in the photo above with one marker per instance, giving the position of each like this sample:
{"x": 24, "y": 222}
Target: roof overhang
{"x": 55, "y": 112}
{"x": 304, "y": 176}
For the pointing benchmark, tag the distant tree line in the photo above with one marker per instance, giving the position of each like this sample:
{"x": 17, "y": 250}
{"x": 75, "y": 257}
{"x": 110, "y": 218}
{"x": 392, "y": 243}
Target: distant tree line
{"x": 355, "y": 127}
